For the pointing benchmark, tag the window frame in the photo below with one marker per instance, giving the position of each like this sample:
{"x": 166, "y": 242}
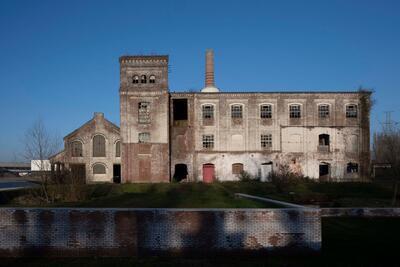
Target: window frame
{"x": 105, "y": 146}
{"x": 324, "y": 114}
{"x": 99, "y": 164}
{"x": 73, "y": 154}
{"x": 205, "y": 112}
{"x": 292, "y": 113}
{"x": 351, "y": 114}
{"x": 142, "y": 140}
{"x": 266, "y": 140}
{"x": 265, "y": 114}
{"x": 208, "y": 141}
{"x": 236, "y": 114}
{"x": 144, "y": 112}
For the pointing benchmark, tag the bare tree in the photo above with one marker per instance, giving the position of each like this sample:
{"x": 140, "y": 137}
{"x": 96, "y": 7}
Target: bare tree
{"x": 39, "y": 146}
{"x": 386, "y": 149}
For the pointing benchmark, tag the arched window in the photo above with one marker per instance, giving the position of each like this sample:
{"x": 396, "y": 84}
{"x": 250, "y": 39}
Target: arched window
{"x": 117, "y": 149}
{"x": 323, "y": 139}
{"x": 143, "y": 79}
{"x": 135, "y": 79}
{"x": 265, "y": 111}
{"x": 99, "y": 146}
{"x": 237, "y": 168}
{"x": 76, "y": 149}
{"x": 294, "y": 111}
{"x": 99, "y": 168}
{"x": 152, "y": 79}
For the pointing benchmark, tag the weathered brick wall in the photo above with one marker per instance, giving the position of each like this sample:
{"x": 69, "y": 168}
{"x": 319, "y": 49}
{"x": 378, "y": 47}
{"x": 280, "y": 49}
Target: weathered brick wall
{"x": 130, "y": 232}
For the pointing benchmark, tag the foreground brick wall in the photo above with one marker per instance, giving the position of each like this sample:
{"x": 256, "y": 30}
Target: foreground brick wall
{"x": 130, "y": 232}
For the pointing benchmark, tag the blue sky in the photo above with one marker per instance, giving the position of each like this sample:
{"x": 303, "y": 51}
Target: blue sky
{"x": 59, "y": 59}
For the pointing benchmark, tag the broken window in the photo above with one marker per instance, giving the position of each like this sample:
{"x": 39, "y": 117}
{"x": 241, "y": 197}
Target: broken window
{"x": 180, "y": 109}
{"x": 266, "y": 140}
{"x": 323, "y": 111}
{"x": 208, "y": 141}
{"x": 99, "y": 168}
{"x": 208, "y": 112}
{"x": 117, "y": 149}
{"x": 144, "y": 112}
{"x": 295, "y": 111}
{"x": 351, "y": 111}
{"x": 143, "y": 79}
{"x": 152, "y": 79}
{"x": 144, "y": 137}
{"x": 237, "y": 111}
{"x": 323, "y": 139}
{"x": 266, "y": 111}
{"x": 352, "y": 167}
{"x": 135, "y": 79}
{"x": 237, "y": 168}
{"x": 76, "y": 149}
{"x": 99, "y": 146}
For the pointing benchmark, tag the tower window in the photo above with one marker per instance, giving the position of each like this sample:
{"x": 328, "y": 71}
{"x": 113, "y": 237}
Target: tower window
{"x": 208, "y": 112}
{"x": 208, "y": 141}
{"x": 266, "y": 111}
{"x": 266, "y": 140}
{"x": 294, "y": 111}
{"x": 143, "y": 79}
{"x": 351, "y": 111}
{"x": 323, "y": 111}
{"x": 118, "y": 149}
{"x": 152, "y": 79}
{"x": 135, "y": 79}
{"x": 237, "y": 111}
{"x": 144, "y": 112}
{"x": 144, "y": 137}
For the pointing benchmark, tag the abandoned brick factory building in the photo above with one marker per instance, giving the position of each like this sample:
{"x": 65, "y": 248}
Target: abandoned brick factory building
{"x": 209, "y": 135}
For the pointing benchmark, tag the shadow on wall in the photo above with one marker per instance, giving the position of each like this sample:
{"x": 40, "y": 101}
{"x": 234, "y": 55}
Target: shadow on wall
{"x": 134, "y": 232}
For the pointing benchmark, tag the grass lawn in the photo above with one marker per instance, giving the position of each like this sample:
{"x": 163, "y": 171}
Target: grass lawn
{"x": 346, "y": 242}
{"x": 217, "y": 195}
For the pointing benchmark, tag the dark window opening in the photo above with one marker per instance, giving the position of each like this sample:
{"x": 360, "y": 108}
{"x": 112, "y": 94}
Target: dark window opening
{"x": 135, "y": 79}
{"x": 143, "y": 79}
{"x": 323, "y": 139}
{"x": 152, "y": 79}
{"x": 180, "y": 172}
{"x": 117, "y": 173}
{"x": 324, "y": 171}
{"x": 351, "y": 111}
{"x": 180, "y": 109}
{"x": 352, "y": 167}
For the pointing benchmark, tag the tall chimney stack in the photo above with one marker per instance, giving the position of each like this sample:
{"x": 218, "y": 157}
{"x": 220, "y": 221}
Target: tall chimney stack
{"x": 209, "y": 81}
{"x": 210, "y": 68}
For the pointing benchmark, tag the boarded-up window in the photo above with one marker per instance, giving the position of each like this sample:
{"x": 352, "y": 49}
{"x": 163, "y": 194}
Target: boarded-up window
{"x": 144, "y": 137}
{"x": 99, "y": 146}
{"x": 76, "y": 149}
{"x": 144, "y": 112}
{"x": 237, "y": 168}
{"x": 99, "y": 168}
{"x": 237, "y": 142}
{"x": 117, "y": 149}
{"x": 352, "y": 143}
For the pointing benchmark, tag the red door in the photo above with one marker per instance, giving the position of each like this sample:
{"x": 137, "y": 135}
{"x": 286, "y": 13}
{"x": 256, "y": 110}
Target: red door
{"x": 208, "y": 173}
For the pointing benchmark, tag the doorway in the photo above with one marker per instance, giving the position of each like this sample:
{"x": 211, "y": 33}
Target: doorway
{"x": 266, "y": 171}
{"x": 117, "y": 173}
{"x": 324, "y": 171}
{"x": 208, "y": 173}
{"x": 180, "y": 172}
